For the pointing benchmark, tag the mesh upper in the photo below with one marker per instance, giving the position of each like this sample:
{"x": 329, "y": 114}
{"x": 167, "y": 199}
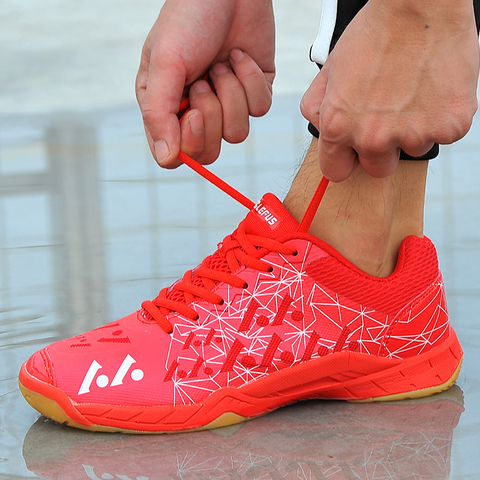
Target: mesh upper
{"x": 417, "y": 269}
{"x": 216, "y": 262}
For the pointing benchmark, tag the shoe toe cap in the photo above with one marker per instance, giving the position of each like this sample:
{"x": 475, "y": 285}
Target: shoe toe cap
{"x": 39, "y": 366}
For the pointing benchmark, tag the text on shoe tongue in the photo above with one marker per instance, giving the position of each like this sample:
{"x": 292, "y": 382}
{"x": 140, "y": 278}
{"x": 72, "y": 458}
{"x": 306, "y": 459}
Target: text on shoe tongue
{"x": 266, "y": 214}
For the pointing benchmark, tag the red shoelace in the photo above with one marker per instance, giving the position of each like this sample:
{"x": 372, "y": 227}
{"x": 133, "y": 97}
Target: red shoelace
{"x": 236, "y": 250}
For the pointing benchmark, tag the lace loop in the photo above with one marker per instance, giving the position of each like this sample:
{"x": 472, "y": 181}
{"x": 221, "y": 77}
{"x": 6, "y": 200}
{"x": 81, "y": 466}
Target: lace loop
{"x": 238, "y": 249}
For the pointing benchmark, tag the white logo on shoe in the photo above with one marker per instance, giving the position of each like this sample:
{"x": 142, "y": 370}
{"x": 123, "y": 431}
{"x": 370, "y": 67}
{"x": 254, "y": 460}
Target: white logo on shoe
{"x": 102, "y": 380}
{"x": 266, "y": 214}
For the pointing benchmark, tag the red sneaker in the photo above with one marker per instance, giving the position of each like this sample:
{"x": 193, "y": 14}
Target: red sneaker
{"x": 274, "y": 316}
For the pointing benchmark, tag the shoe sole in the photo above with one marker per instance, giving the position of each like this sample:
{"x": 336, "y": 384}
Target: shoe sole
{"x": 350, "y": 376}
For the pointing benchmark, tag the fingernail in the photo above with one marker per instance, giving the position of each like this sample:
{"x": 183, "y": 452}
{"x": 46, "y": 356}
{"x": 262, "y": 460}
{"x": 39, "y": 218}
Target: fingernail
{"x": 202, "y": 87}
{"x": 236, "y": 55}
{"x": 219, "y": 69}
{"x": 196, "y": 123}
{"x": 161, "y": 151}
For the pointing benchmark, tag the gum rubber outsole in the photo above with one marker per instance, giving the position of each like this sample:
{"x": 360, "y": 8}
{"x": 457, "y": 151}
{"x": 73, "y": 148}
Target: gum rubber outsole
{"x": 420, "y": 376}
{"x": 51, "y": 409}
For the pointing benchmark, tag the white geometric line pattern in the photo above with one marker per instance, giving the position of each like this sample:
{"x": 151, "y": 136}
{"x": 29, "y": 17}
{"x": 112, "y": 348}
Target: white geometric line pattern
{"x": 284, "y": 318}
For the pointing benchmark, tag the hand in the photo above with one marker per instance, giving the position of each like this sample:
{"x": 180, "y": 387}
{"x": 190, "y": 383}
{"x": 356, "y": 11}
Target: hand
{"x": 234, "y": 41}
{"x": 397, "y": 79}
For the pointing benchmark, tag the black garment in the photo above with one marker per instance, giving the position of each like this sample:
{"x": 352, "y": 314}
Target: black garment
{"x": 476, "y": 7}
{"x": 346, "y": 10}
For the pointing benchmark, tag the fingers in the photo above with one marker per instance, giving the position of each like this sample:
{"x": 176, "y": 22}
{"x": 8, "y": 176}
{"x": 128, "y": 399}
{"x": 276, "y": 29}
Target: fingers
{"x": 202, "y": 125}
{"x": 381, "y": 165}
{"x": 241, "y": 89}
{"x": 337, "y": 162}
{"x": 258, "y": 85}
{"x": 417, "y": 149}
{"x": 192, "y": 133}
{"x": 345, "y": 143}
{"x": 232, "y": 97}
{"x": 338, "y": 159}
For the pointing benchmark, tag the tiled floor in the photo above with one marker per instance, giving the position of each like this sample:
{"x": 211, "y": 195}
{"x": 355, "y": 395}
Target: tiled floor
{"x": 90, "y": 227}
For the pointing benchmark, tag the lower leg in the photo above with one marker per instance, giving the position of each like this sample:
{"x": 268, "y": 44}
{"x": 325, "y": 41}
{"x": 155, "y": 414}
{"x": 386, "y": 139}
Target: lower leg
{"x": 364, "y": 218}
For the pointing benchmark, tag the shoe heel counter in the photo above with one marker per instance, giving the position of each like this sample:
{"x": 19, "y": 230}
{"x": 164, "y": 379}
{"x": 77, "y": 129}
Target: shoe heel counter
{"x": 421, "y": 325}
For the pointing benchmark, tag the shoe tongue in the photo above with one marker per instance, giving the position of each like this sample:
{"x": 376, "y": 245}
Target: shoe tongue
{"x": 269, "y": 218}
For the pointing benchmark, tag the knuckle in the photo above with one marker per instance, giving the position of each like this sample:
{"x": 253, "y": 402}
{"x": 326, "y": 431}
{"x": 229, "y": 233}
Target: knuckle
{"x": 329, "y": 118}
{"x": 330, "y": 128}
{"x": 454, "y": 131}
{"x": 208, "y": 104}
{"x": 250, "y": 75}
{"x": 459, "y": 122}
{"x": 372, "y": 141}
{"x": 308, "y": 110}
{"x": 416, "y": 144}
{"x": 334, "y": 126}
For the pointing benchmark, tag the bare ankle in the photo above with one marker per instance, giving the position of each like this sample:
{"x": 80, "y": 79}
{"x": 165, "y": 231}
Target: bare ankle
{"x": 364, "y": 218}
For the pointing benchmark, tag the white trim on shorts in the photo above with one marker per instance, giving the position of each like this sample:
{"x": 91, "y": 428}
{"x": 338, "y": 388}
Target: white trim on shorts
{"x": 321, "y": 46}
